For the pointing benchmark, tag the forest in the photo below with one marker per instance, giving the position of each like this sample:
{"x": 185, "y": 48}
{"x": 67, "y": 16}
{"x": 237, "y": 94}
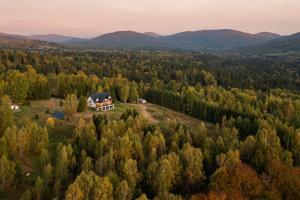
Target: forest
{"x": 247, "y": 145}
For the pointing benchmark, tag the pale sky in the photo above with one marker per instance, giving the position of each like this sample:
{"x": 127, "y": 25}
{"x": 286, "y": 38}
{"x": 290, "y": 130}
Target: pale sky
{"x": 94, "y": 17}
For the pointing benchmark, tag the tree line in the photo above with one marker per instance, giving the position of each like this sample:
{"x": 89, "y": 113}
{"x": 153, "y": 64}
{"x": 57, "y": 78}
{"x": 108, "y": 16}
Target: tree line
{"x": 260, "y": 73}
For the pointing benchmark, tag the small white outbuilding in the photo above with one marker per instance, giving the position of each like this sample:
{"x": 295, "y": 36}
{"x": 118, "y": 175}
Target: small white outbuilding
{"x": 142, "y": 101}
{"x": 15, "y": 107}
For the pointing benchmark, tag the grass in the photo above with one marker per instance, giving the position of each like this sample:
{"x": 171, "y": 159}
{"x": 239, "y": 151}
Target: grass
{"x": 165, "y": 117}
{"x": 119, "y": 109}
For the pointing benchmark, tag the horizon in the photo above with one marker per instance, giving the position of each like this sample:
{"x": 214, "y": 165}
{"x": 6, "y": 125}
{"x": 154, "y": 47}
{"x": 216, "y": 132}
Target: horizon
{"x": 105, "y": 16}
{"x": 88, "y": 37}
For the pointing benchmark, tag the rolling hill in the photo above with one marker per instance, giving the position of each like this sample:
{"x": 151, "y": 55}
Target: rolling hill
{"x": 285, "y": 44}
{"x": 22, "y": 42}
{"x": 152, "y": 34}
{"x": 216, "y": 39}
{"x": 211, "y": 40}
{"x": 193, "y": 40}
{"x": 75, "y": 42}
{"x": 51, "y": 38}
{"x": 126, "y": 40}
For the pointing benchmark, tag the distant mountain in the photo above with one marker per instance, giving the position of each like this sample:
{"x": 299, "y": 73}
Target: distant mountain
{"x": 75, "y": 41}
{"x": 192, "y": 40}
{"x": 152, "y": 34}
{"x": 268, "y": 35}
{"x": 11, "y": 36}
{"x": 285, "y": 44}
{"x": 126, "y": 40}
{"x": 22, "y": 42}
{"x": 211, "y": 40}
{"x": 51, "y": 38}
{"x": 216, "y": 39}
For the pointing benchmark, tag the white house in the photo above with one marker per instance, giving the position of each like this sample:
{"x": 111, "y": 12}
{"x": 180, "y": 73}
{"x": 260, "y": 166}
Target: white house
{"x": 100, "y": 101}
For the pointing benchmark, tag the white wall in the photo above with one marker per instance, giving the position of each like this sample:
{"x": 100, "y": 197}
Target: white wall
{"x": 91, "y": 103}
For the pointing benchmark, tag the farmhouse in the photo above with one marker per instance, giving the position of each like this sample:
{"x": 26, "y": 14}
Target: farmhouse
{"x": 100, "y": 101}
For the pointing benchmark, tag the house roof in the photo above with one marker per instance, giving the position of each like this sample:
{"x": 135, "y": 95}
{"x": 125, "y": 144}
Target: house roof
{"x": 99, "y": 97}
{"x": 58, "y": 115}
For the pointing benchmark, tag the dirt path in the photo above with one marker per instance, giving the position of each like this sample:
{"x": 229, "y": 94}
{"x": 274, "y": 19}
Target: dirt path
{"x": 143, "y": 110}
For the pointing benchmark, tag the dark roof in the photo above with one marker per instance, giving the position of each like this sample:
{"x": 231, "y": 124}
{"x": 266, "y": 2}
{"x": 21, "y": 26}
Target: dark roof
{"x": 58, "y": 115}
{"x": 100, "y": 96}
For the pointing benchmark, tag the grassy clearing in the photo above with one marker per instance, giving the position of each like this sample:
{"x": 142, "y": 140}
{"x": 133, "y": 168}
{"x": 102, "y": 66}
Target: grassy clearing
{"x": 37, "y": 112}
{"x": 164, "y": 117}
{"x": 155, "y": 114}
{"x": 63, "y": 129}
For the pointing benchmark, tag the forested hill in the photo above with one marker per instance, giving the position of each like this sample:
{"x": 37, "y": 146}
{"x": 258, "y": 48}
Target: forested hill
{"x": 192, "y": 40}
{"x": 222, "y": 41}
{"x": 51, "y": 38}
{"x": 22, "y": 42}
{"x": 217, "y": 39}
{"x": 203, "y": 40}
{"x": 283, "y": 45}
{"x": 126, "y": 40}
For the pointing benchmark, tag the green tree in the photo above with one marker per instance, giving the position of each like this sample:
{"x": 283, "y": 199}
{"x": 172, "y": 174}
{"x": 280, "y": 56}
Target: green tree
{"x": 87, "y": 165}
{"x": 7, "y": 171}
{"x": 18, "y": 87}
{"x": 3, "y": 146}
{"x": 44, "y": 157}
{"x": 167, "y": 196}
{"x": 10, "y": 136}
{"x": 192, "y": 165}
{"x": 124, "y": 93}
{"x": 82, "y": 104}
{"x": 39, "y": 185}
{"x": 131, "y": 173}
{"x": 70, "y": 104}
{"x": 38, "y": 137}
{"x": 26, "y": 195}
{"x": 123, "y": 191}
{"x": 57, "y": 187}
{"x": 48, "y": 174}
{"x": 133, "y": 94}
{"x": 288, "y": 109}
{"x": 103, "y": 189}
{"x": 165, "y": 176}
{"x": 296, "y": 148}
{"x": 142, "y": 197}
{"x": 6, "y": 114}
{"x": 22, "y": 142}
{"x": 62, "y": 164}
{"x": 74, "y": 193}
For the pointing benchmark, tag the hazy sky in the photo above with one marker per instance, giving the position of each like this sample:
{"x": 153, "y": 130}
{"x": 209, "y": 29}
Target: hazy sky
{"x": 94, "y": 17}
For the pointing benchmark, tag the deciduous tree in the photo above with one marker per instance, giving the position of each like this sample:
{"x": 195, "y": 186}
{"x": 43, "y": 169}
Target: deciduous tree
{"x": 70, "y": 104}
